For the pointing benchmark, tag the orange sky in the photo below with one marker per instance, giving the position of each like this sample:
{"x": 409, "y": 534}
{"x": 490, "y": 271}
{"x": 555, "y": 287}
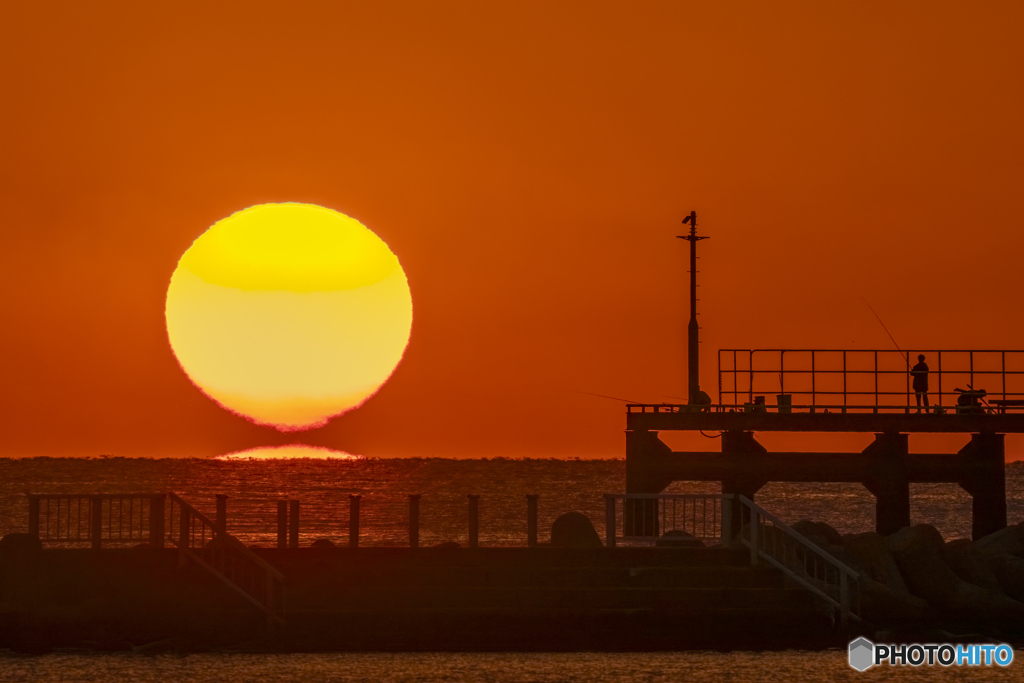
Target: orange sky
{"x": 529, "y": 163}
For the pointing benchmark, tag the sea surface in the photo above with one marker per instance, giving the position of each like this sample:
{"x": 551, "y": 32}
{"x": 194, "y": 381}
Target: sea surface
{"x": 582, "y": 667}
{"x": 323, "y": 487}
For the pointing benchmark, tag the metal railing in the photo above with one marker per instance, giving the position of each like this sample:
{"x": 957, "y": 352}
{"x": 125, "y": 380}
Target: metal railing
{"x": 803, "y": 561}
{"x": 211, "y": 547}
{"x": 97, "y": 519}
{"x": 875, "y": 379}
{"x": 723, "y": 517}
{"x": 644, "y": 517}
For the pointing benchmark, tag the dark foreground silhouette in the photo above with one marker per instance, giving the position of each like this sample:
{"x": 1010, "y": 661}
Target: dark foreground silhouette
{"x": 679, "y": 595}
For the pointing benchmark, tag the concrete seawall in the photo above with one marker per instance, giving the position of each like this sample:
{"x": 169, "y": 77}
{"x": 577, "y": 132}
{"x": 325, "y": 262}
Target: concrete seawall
{"x": 406, "y": 599}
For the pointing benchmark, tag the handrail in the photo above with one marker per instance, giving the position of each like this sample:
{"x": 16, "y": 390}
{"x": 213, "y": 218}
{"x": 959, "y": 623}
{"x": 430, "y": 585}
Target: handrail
{"x": 736, "y": 516}
{"x": 228, "y": 559}
{"x": 642, "y": 513}
{"x": 998, "y": 408}
{"x": 54, "y": 496}
{"x": 836, "y": 593}
{"x": 764, "y": 371}
{"x": 231, "y": 540}
{"x": 95, "y": 519}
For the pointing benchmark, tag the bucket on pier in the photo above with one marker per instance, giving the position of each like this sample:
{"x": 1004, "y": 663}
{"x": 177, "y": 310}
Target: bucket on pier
{"x": 785, "y": 403}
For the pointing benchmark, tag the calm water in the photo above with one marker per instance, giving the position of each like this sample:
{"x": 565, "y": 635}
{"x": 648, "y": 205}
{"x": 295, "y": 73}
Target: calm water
{"x": 749, "y": 667}
{"x": 323, "y": 487}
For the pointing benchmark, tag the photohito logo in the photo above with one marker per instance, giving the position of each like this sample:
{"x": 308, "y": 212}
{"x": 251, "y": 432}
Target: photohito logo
{"x": 864, "y": 654}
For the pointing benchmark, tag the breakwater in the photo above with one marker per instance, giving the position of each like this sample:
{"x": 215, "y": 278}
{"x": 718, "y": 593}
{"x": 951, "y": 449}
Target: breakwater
{"x": 380, "y": 596}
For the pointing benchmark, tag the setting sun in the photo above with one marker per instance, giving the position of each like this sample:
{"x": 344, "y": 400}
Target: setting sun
{"x": 289, "y": 314}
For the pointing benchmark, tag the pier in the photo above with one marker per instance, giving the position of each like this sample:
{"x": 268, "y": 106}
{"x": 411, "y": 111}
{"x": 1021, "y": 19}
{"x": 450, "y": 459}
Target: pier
{"x": 978, "y": 393}
{"x": 847, "y": 391}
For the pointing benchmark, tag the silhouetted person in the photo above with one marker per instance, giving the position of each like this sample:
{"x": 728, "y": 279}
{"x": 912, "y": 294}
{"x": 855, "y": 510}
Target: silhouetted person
{"x": 920, "y": 374}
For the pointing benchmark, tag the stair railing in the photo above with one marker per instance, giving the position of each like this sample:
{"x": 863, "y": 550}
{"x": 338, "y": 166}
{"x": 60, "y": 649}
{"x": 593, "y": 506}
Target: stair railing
{"x": 218, "y": 552}
{"x": 803, "y": 561}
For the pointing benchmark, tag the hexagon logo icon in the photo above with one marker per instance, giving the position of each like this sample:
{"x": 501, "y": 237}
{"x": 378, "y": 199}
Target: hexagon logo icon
{"x": 862, "y": 654}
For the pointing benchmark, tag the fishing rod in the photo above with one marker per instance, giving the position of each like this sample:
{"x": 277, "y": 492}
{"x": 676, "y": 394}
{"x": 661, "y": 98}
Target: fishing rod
{"x": 905, "y": 356}
{"x": 614, "y": 398}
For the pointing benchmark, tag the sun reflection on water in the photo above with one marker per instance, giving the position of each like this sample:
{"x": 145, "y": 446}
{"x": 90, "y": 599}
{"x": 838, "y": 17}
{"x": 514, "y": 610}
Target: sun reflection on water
{"x": 289, "y": 452}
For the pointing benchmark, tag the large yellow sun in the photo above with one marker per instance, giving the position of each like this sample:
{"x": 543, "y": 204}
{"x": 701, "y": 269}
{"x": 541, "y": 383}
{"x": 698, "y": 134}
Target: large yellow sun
{"x": 289, "y": 314}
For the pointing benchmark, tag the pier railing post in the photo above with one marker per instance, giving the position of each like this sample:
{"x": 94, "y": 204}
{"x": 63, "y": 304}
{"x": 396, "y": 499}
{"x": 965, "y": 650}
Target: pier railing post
{"x": 474, "y": 520}
{"x": 222, "y": 513}
{"x": 414, "y": 520}
{"x": 282, "y": 524}
{"x": 609, "y": 520}
{"x": 531, "y": 520}
{"x": 33, "y": 516}
{"x": 96, "y": 522}
{"x": 293, "y": 525}
{"x": 156, "y": 521}
{"x": 353, "y": 520}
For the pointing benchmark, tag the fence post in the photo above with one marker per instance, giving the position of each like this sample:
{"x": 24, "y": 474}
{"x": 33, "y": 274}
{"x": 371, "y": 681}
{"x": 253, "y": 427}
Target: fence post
{"x": 414, "y": 520}
{"x": 293, "y": 525}
{"x": 474, "y": 520}
{"x": 33, "y": 516}
{"x": 222, "y": 513}
{"x": 183, "y": 529}
{"x": 353, "y": 520}
{"x": 282, "y": 524}
{"x": 609, "y": 520}
{"x": 156, "y": 521}
{"x": 96, "y": 521}
{"x": 531, "y": 520}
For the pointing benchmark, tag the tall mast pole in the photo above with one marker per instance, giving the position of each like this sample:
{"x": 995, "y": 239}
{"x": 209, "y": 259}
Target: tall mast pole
{"x": 693, "y": 330}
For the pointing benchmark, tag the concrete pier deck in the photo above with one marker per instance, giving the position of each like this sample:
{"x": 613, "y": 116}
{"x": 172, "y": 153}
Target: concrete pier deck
{"x": 408, "y": 599}
{"x": 819, "y": 421}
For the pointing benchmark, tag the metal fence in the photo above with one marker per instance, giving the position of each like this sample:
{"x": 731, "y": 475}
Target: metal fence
{"x": 868, "y": 379}
{"x": 70, "y": 519}
{"x": 208, "y": 544}
{"x": 776, "y": 543}
{"x": 417, "y": 520}
{"x": 646, "y": 518}
{"x": 642, "y": 518}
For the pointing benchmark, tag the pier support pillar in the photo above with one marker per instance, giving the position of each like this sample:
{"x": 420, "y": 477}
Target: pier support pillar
{"x": 740, "y": 446}
{"x": 889, "y": 482}
{"x": 647, "y": 458}
{"x": 985, "y": 480}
